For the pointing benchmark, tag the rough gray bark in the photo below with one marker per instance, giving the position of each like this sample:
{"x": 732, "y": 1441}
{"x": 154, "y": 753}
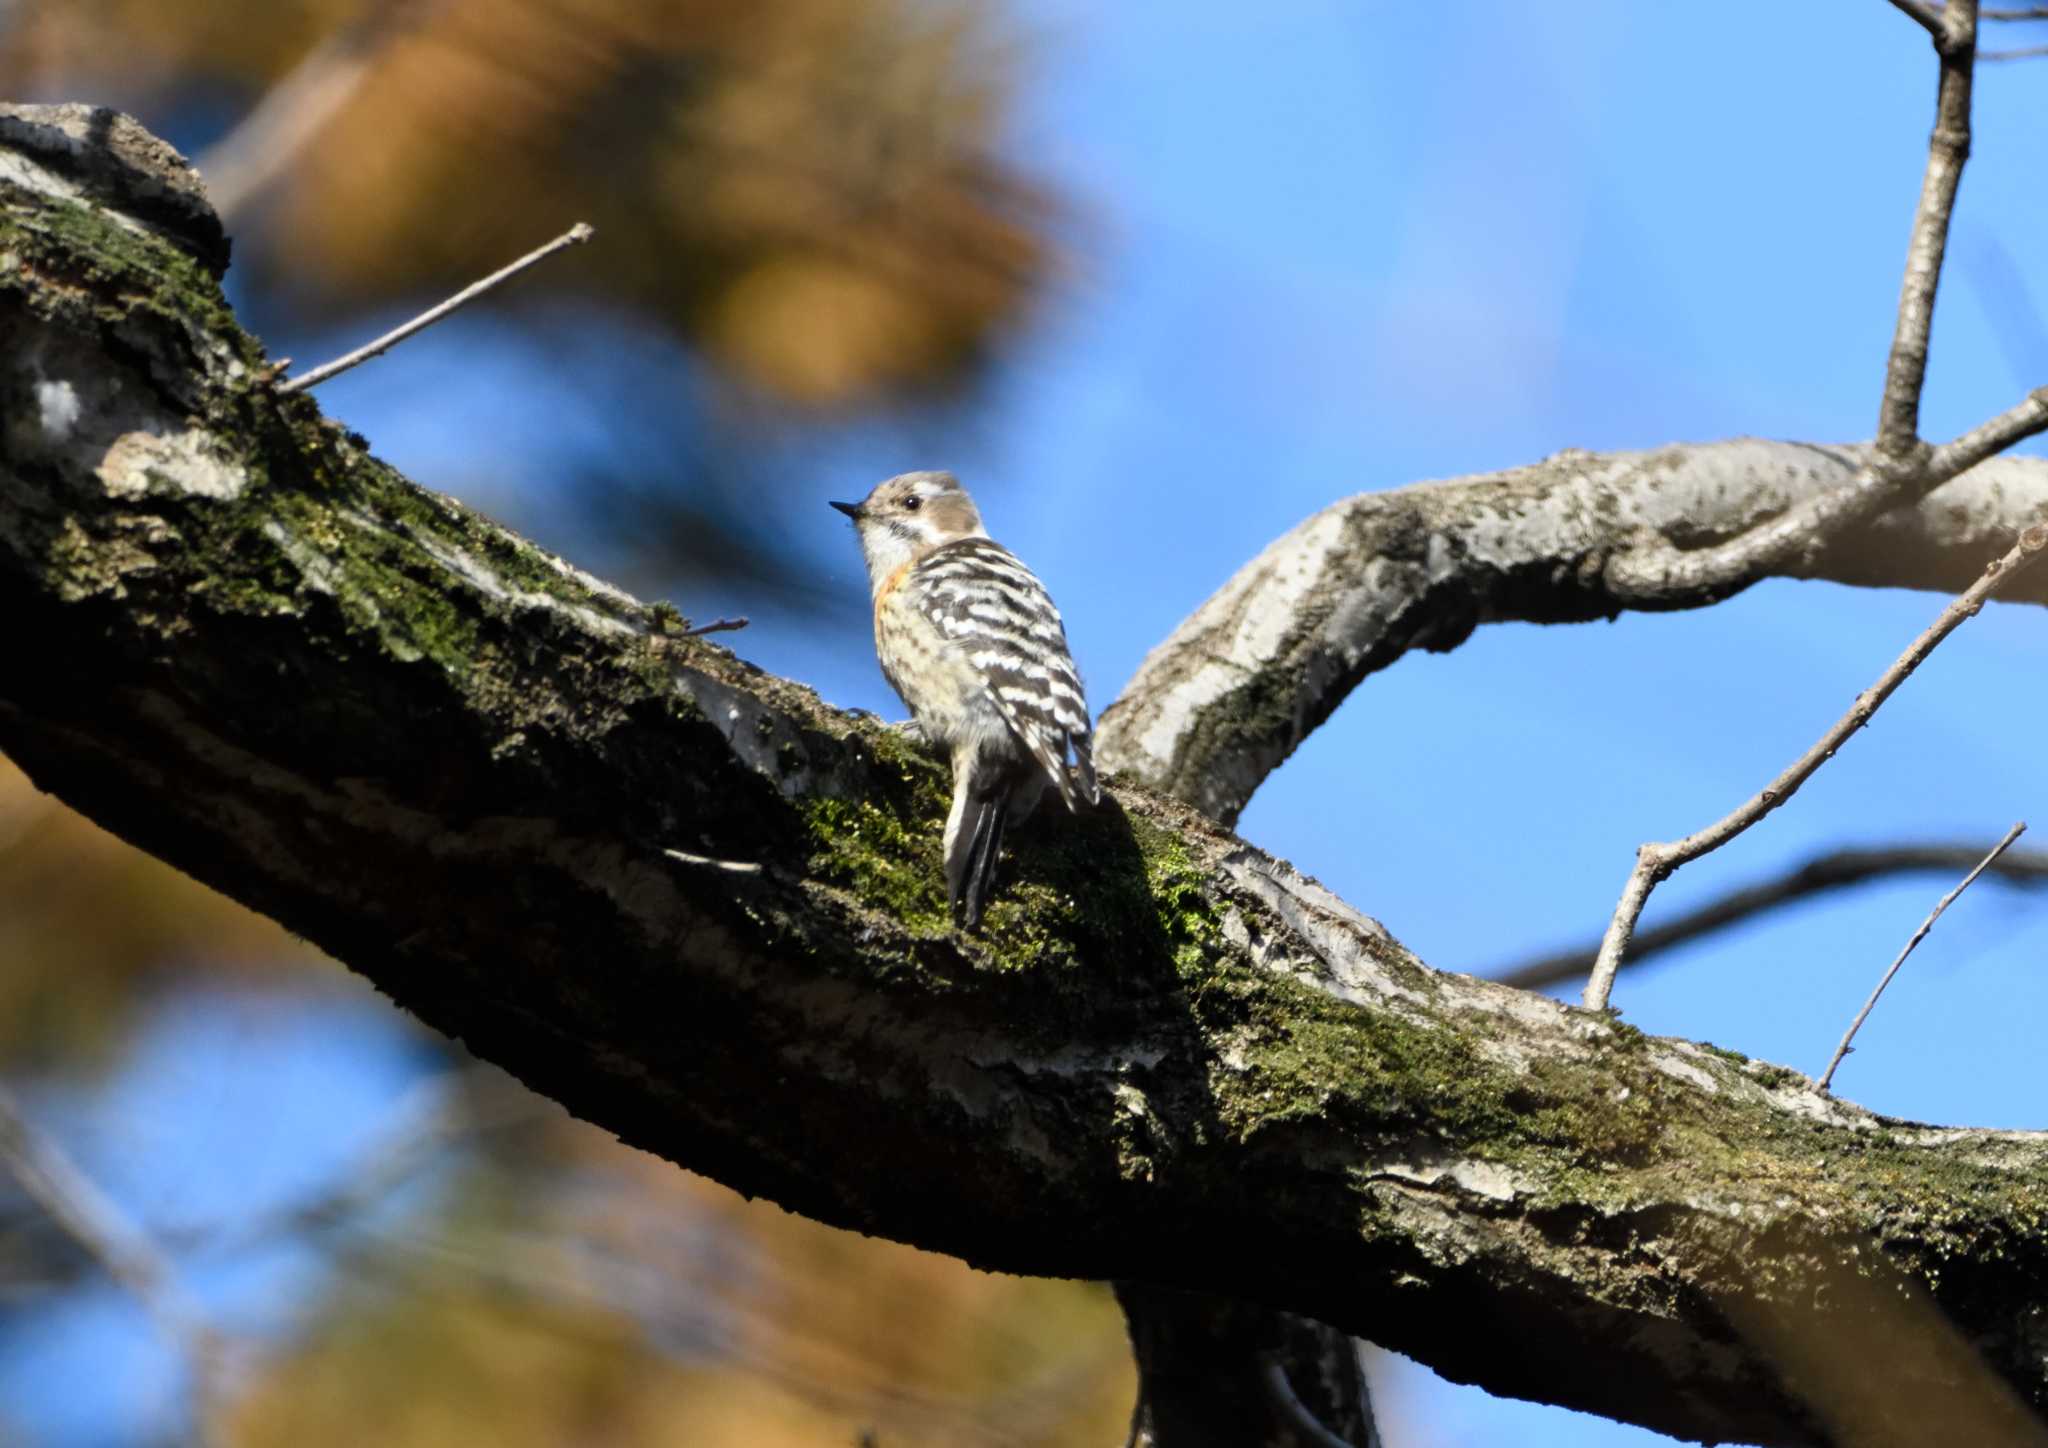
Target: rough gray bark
{"x": 458, "y": 764}
{"x": 1251, "y": 673}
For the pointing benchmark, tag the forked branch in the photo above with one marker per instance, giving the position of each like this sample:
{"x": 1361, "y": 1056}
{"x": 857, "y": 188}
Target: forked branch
{"x": 1900, "y": 469}
{"x": 1656, "y": 862}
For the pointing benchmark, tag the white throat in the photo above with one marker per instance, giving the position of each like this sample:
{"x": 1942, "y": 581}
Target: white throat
{"x": 889, "y": 544}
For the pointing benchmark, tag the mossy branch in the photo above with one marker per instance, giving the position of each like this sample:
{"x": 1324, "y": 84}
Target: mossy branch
{"x": 460, "y": 765}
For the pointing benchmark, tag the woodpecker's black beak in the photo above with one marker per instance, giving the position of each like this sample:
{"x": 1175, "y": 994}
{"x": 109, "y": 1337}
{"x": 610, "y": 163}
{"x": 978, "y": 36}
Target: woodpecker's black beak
{"x": 852, "y": 510}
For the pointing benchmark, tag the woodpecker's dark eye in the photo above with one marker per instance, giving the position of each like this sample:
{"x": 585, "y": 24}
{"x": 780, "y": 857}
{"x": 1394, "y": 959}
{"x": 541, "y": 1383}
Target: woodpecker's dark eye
{"x": 912, "y": 503}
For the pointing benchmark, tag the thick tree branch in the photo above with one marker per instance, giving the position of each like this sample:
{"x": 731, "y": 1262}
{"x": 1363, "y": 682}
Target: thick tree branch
{"x": 1239, "y": 685}
{"x": 457, "y": 764}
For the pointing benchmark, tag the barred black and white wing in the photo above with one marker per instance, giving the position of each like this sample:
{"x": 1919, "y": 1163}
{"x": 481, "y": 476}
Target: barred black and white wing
{"x": 996, "y": 612}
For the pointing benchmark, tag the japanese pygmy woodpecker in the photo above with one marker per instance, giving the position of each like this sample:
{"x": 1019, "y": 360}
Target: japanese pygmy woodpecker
{"x": 969, "y": 639}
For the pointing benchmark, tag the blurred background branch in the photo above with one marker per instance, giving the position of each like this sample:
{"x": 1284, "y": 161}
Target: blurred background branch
{"x": 70, "y": 1201}
{"x": 1834, "y": 870}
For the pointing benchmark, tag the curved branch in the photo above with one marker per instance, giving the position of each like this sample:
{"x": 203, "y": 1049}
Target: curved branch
{"x": 1243, "y": 681}
{"x": 459, "y": 764}
{"x": 1238, "y": 686}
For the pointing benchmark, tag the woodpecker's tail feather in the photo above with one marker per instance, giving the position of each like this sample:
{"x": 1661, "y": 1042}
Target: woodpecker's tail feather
{"x": 1084, "y": 766}
{"x": 972, "y": 844}
{"x": 1076, "y": 785}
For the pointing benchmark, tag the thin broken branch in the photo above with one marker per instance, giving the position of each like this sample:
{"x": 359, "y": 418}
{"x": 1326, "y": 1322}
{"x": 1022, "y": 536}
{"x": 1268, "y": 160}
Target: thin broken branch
{"x": 1919, "y": 935}
{"x": 574, "y": 236}
{"x": 1655, "y": 862}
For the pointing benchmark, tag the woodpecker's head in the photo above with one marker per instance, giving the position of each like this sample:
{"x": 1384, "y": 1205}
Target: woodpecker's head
{"x": 909, "y": 515}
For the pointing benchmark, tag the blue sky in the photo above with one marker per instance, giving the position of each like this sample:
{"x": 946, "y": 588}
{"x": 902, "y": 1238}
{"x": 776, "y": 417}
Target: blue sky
{"x": 1323, "y": 248}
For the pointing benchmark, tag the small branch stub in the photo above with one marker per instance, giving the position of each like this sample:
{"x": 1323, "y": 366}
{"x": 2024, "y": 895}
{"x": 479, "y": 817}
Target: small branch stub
{"x": 717, "y": 625}
{"x": 1919, "y": 935}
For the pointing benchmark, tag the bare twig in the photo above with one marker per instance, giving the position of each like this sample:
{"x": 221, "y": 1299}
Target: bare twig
{"x": 2017, "y": 52}
{"x": 1955, "y": 41}
{"x": 1834, "y": 870}
{"x": 574, "y": 236}
{"x": 2014, "y": 12}
{"x": 717, "y": 625}
{"x": 91, "y": 1220}
{"x": 1656, "y": 862}
{"x": 2017, "y": 423}
{"x": 1921, "y": 13}
{"x": 1919, "y": 935}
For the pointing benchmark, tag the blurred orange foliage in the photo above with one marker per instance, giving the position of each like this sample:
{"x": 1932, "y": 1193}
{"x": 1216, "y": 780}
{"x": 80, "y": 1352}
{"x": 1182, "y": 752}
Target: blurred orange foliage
{"x": 824, "y": 1336}
{"x": 812, "y": 194}
{"x": 90, "y": 926}
{"x": 811, "y": 191}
